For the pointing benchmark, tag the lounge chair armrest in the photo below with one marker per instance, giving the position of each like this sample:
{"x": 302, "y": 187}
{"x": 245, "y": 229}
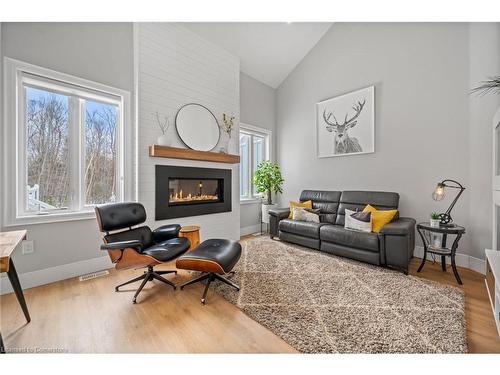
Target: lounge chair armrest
{"x": 122, "y": 245}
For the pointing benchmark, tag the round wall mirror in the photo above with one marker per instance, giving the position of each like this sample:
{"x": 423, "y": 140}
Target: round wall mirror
{"x": 197, "y": 127}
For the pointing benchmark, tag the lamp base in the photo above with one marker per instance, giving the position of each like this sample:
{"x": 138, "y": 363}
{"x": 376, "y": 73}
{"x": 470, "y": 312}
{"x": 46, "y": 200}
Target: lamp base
{"x": 445, "y": 219}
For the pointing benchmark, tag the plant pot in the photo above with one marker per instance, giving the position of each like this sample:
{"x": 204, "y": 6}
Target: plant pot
{"x": 265, "y": 211}
{"x": 163, "y": 140}
{"x": 434, "y": 223}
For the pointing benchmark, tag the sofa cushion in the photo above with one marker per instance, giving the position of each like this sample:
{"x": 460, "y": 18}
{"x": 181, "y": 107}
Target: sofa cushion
{"x": 357, "y": 200}
{"x": 301, "y": 228}
{"x": 359, "y": 240}
{"x": 326, "y": 201}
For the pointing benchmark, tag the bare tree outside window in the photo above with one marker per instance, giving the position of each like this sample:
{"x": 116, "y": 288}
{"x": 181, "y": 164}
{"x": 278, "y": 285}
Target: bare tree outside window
{"x": 49, "y": 158}
{"x": 48, "y": 161}
{"x": 100, "y": 153}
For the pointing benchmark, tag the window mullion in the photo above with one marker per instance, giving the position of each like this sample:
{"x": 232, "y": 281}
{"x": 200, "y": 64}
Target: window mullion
{"x": 250, "y": 167}
{"x": 75, "y": 151}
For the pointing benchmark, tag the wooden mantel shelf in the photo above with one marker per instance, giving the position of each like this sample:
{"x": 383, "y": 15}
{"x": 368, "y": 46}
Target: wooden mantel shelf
{"x": 188, "y": 154}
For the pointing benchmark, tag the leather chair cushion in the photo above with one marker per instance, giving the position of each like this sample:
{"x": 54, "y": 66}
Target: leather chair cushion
{"x": 215, "y": 255}
{"x": 359, "y": 240}
{"x": 114, "y": 216}
{"x": 168, "y": 250}
{"x": 302, "y": 228}
{"x": 166, "y": 232}
{"x": 142, "y": 234}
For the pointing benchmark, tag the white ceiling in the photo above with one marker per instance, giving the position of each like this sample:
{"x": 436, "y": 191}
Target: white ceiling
{"x": 268, "y": 52}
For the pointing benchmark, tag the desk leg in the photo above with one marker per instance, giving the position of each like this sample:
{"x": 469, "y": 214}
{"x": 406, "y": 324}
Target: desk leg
{"x": 424, "y": 258}
{"x": 16, "y": 285}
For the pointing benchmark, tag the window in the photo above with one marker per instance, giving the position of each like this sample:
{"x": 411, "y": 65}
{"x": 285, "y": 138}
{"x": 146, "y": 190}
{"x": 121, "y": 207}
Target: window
{"x": 254, "y": 148}
{"x": 69, "y": 142}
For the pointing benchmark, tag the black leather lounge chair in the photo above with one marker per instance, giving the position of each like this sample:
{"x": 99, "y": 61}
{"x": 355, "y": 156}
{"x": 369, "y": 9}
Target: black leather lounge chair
{"x": 138, "y": 247}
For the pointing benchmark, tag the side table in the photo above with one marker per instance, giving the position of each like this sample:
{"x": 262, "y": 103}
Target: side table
{"x": 441, "y": 250}
{"x": 192, "y": 233}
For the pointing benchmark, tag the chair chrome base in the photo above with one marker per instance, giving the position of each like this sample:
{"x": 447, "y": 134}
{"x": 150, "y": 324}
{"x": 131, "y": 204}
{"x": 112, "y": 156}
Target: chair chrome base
{"x": 210, "y": 276}
{"x": 148, "y": 275}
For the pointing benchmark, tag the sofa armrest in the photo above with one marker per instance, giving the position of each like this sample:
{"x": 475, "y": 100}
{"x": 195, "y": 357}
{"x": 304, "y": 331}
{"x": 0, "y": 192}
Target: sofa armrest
{"x": 275, "y": 216}
{"x": 399, "y": 227}
{"x": 122, "y": 245}
{"x": 166, "y": 232}
{"x": 281, "y": 213}
{"x": 398, "y": 239}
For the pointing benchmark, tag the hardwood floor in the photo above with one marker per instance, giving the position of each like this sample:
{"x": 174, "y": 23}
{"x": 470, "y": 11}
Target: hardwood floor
{"x": 89, "y": 317}
{"x": 482, "y": 336}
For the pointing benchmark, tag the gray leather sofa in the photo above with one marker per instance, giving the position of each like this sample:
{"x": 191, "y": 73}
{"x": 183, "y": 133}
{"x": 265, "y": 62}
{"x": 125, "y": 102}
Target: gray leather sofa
{"x": 392, "y": 247}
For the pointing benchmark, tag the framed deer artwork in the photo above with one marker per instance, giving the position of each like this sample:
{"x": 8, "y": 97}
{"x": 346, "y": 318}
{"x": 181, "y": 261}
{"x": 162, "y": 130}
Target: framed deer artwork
{"x": 345, "y": 125}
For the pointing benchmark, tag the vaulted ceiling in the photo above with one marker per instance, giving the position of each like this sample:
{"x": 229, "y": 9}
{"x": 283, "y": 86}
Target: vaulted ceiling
{"x": 268, "y": 52}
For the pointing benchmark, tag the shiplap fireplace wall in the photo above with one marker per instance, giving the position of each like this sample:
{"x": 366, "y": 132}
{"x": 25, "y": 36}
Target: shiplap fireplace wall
{"x": 174, "y": 67}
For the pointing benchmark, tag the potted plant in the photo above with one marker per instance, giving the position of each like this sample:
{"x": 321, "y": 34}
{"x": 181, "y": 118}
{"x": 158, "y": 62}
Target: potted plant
{"x": 267, "y": 179}
{"x": 491, "y": 85}
{"x": 434, "y": 221}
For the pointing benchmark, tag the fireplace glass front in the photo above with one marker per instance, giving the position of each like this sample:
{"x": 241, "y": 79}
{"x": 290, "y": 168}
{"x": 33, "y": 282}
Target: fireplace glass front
{"x": 183, "y": 191}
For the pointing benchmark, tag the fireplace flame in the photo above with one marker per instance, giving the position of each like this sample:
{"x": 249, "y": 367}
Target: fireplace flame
{"x": 179, "y": 197}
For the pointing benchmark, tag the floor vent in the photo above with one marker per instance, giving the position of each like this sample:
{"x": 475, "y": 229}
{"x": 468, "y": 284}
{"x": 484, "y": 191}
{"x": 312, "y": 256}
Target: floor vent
{"x": 93, "y": 275}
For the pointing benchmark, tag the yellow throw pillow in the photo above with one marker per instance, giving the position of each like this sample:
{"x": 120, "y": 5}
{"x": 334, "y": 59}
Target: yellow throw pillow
{"x": 306, "y": 204}
{"x": 380, "y": 217}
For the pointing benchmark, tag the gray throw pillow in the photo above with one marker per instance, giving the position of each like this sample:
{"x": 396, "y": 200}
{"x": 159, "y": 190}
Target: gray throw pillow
{"x": 303, "y": 214}
{"x": 361, "y": 221}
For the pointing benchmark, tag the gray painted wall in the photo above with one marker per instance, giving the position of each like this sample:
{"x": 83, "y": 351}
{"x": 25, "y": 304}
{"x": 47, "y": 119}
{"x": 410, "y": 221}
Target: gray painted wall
{"x": 427, "y": 126}
{"x": 257, "y": 107}
{"x": 101, "y": 52}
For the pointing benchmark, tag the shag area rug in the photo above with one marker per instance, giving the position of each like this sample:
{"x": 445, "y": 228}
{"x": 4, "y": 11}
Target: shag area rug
{"x": 320, "y": 303}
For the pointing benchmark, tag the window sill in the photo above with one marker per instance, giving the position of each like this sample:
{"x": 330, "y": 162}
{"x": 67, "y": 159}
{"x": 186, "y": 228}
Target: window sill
{"x": 250, "y": 201}
{"x": 50, "y": 218}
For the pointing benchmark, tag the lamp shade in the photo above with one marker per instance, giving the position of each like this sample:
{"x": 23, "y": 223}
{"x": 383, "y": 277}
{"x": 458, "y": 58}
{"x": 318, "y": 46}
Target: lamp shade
{"x": 438, "y": 193}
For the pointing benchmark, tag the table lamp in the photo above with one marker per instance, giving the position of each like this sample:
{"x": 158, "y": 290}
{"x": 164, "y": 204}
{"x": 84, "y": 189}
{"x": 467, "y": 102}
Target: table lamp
{"x": 438, "y": 194}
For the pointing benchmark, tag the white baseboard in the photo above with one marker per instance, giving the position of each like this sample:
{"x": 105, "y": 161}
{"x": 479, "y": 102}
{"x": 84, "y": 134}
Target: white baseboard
{"x": 251, "y": 229}
{"x": 52, "y": 274}
{"x": 462, "y": 260}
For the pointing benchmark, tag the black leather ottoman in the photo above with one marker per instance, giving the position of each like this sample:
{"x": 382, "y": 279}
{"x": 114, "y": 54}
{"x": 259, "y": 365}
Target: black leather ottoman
{"x": 214, "y": 258}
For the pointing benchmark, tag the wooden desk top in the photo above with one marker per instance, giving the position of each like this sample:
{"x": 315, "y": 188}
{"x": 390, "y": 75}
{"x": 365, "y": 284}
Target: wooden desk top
{"x": 8, "y": 242}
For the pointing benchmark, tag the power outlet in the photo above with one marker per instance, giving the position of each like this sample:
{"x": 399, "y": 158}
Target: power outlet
{"x": 28, "y": 247}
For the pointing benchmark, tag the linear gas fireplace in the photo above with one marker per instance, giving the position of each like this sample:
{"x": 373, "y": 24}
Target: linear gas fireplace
{"x": 188, "y": 191}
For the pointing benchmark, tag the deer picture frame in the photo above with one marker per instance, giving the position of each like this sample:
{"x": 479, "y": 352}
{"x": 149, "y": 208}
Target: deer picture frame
{"x": 345, "y": 124}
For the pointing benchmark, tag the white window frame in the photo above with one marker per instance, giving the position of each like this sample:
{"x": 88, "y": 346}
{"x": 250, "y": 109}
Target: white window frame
{"x": 17, "y": 74}
{"x": 267, "y": 135}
